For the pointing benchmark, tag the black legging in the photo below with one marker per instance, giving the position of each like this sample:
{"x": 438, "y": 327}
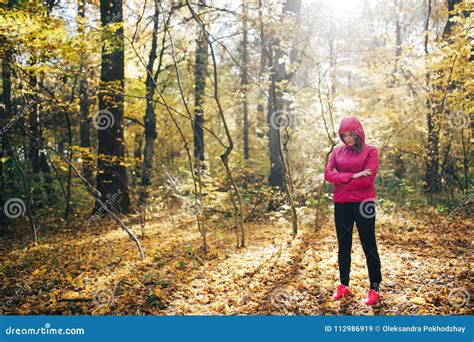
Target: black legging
{"x": 363, "y": 213}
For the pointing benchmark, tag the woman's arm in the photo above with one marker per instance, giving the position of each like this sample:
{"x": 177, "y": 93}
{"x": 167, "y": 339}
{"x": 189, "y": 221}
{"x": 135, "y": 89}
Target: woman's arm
{"x": 333, "y": 176}
{"x": 372, "y": 164}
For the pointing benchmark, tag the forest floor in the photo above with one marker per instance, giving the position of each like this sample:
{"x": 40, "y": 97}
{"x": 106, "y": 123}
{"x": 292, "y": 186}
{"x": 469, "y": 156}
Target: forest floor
{"x": 426, "y": 263}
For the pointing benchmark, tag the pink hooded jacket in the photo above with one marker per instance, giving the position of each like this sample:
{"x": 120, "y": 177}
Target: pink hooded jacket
{"x": 348, "y": 162}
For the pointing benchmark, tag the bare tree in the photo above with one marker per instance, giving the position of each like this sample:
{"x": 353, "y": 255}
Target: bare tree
{"x": 200, "y": 75}
{"x": 244, "y": 81}
{"x": 150, "y": 116}
{"x": 84, "y": 129}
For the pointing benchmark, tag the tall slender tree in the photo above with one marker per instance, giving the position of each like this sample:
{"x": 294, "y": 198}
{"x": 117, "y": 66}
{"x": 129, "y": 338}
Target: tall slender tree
{"x": 200, "y": 75}
{"x": 244, "y": 80}
{"x": 112, "y": 173}
{"x": 6, "y": 55}
{"x": 150, "y": 116}
{"x": 84, "y": 129}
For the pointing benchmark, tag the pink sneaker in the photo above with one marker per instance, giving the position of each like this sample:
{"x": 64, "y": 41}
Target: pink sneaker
{"x": 342, "y": 290}
{"x": 373, "y": 297}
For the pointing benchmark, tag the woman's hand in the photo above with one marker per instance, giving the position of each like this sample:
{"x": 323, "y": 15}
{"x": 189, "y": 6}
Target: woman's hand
{"x": 367, "y": 172}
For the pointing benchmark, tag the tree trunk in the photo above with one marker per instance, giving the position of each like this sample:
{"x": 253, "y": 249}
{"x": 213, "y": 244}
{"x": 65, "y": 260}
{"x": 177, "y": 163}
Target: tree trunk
{"x": 84, "y": 129}
{"x": 276, "y": 111}
{"x": 200, "y": 75}
{"x": 150, "y": 117}
{"x": 137, "y": 155}
{"x": 275, "y": 102}
{"x": 449, "y": 24}
{"x": 5, "y": 115}
{"x": 432, "y": 176}
{"x": 398, "y": 32}
{"x": 263, "y": 63}
{"x": 112, "y": 173}
{"x": 332, "y": 55}
{"x": 34, "y": 154}
{"x": 244, "y": 82}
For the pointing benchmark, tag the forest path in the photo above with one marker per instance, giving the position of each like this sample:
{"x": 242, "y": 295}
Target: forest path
{"x": 99, "y": 272}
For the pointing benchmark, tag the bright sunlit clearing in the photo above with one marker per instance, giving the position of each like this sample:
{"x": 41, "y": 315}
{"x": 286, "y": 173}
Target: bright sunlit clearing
{"x": 345, "y": 5}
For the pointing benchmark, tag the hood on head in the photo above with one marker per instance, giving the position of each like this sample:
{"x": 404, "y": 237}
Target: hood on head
{"x": 351, "y": 124}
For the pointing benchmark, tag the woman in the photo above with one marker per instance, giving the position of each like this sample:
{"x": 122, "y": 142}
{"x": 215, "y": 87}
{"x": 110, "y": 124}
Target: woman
{"x": 352, "y": 168}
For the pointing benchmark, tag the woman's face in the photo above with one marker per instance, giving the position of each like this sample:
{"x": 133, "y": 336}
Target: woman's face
{"x": 349, "y": 138}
